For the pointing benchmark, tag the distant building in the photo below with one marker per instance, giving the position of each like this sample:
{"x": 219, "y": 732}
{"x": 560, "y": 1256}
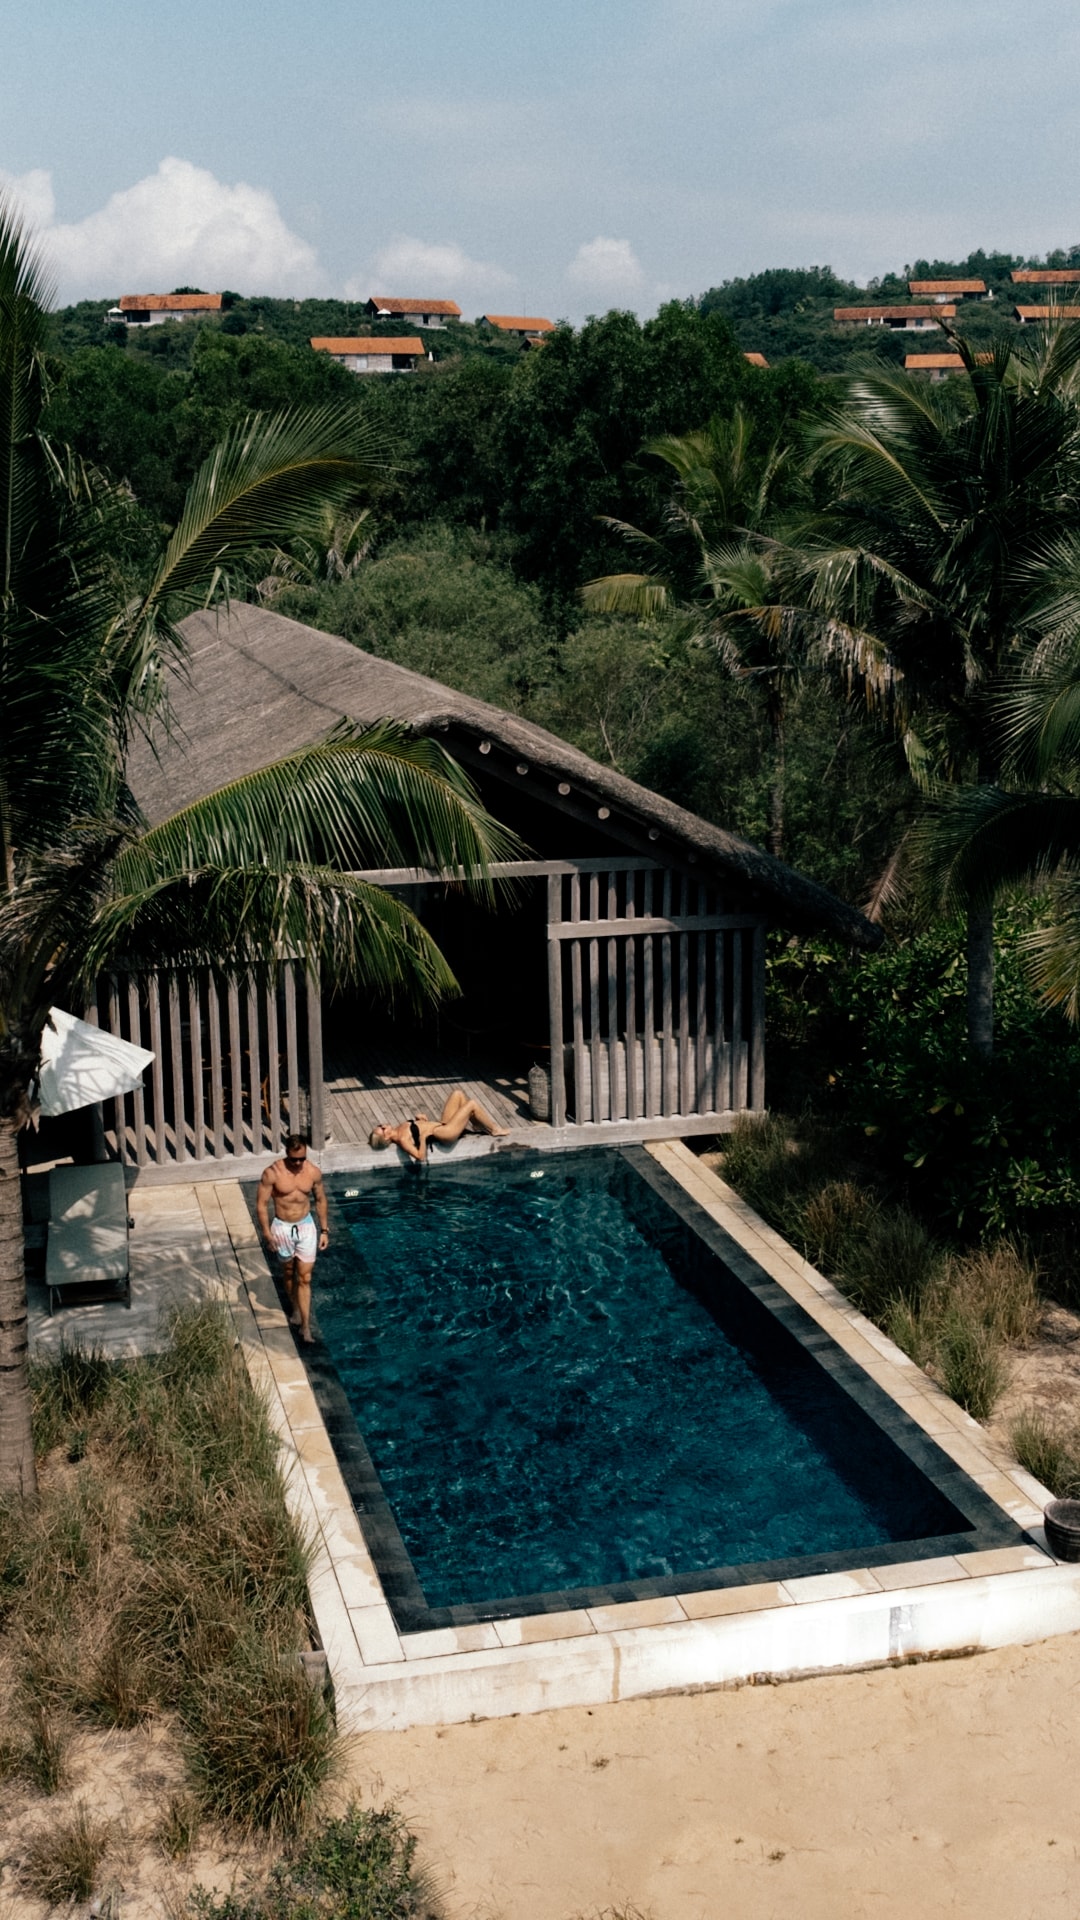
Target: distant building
{"x": 369, "y": 355}
{"x": 937, "y": 365}
{"x": 152, "y": 309}
{"x": 1046, "y": 277}
{"x": 902, "y": 318}
{"x": 416, "y": 313}
{"x": 940, "y": 290}
{"x": 519, "y": 325}
{"x": 756, "y": 359}
{"x": 1026, "y": 314}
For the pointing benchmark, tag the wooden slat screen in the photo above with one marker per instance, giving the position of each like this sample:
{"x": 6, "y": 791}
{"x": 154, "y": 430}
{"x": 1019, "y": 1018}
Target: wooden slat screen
{"x": 237, "y": 1064}
{"x": 656, "y": 987}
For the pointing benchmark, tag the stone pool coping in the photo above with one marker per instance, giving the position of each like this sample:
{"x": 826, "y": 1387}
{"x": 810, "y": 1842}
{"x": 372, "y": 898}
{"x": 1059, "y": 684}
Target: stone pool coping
{"x": 387, "y": 1679}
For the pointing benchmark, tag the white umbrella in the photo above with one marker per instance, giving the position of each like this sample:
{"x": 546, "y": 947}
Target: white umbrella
{"x": 81, "y": 1064}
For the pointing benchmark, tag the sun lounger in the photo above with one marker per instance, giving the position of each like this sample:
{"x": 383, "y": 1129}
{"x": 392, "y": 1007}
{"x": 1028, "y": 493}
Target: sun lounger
{"x": 88, "y": 1232}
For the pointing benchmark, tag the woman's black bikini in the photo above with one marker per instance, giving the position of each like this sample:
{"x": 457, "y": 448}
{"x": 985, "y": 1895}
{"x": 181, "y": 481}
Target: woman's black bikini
{"x": 415, "y": 1131}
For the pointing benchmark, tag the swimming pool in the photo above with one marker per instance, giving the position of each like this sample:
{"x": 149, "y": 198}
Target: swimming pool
{"x": 552, "y": 1378}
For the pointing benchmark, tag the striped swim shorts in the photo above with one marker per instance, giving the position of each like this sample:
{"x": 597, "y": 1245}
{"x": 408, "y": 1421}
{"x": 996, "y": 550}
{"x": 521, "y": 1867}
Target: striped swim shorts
{"x": 295, "y": 1239}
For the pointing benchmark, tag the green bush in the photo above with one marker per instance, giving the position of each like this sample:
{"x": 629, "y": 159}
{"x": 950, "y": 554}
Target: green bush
{"x": 878, "y": 1042}
{"x": 892, "y": 1259}
{"x": 359, "y": 1867}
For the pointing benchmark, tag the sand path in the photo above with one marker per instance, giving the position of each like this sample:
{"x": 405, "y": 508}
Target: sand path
{"x": 945, "y": 1789}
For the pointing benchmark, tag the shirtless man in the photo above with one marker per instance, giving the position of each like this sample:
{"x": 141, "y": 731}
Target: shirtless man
{"x": 292, "y": 1183}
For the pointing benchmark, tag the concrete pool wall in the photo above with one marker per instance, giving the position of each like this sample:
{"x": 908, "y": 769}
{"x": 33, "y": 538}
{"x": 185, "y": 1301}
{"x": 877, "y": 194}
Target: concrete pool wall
{"x": 387, "y": 1679}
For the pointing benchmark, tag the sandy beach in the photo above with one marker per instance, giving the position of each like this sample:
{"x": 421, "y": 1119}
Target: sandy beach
{"x": 944, "y": 1789}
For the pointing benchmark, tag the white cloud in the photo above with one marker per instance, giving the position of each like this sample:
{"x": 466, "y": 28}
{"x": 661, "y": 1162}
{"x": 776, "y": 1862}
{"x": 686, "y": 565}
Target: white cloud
{"x": 609, "y": 268}
{"x": 417, "y": 267}
{"x": 32, "y": 194}
{"x": 177, "y": 226}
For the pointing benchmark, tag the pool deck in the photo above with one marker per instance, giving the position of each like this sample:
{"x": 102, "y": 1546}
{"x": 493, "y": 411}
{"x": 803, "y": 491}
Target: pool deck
{"x": 192, "y": 1237}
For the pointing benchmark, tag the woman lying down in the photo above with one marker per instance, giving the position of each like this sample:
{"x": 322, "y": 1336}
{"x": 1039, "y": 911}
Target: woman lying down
{"x": 459, "y": 1113}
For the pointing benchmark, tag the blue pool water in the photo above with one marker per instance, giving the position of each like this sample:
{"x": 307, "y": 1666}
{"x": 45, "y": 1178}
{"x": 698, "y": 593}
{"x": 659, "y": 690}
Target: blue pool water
{"x": 560, "y": 1387}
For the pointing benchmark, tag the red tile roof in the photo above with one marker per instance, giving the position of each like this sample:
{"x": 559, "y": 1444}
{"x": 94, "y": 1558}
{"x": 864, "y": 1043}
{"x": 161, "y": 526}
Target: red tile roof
{"x": 944, "y": 361}
{"x": 756, "y": 359}
{"x": 170, "y": 303}
{"x": 1047, "y": 313}
{"x": 369, "y": 344}
{"x": 946, "y": 286}
{"x": 911, "y": 312}
{"x": 519, "y": 323}
{"x": 385, "y": 304}
{"x": 1046, "y": 277}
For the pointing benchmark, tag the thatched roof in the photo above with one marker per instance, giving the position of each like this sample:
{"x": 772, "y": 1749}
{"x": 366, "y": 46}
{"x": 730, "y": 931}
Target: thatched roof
{"x": 259, "y": 686}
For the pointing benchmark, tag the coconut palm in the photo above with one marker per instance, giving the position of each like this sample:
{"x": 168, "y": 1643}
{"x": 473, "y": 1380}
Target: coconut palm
{"x": 254, "y": 872}
{"x": 714, "y": 565}
{"x": 939, "y": 568}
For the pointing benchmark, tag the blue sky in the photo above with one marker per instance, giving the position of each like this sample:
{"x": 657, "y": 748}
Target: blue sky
{"x": 555, "y": 159}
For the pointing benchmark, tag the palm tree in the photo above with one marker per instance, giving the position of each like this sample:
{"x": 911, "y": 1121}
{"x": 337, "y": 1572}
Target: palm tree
{"x": 938, "y": 568}
{"x": 254, "y": 872}
{"x": 714, "y": 564}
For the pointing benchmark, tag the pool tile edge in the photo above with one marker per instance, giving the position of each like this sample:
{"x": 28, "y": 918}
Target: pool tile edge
{"x": 386, "y": 1679}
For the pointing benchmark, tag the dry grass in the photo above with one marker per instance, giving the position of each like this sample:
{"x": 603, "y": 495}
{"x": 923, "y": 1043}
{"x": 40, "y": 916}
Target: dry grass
{"x": 953, "y": 1314}
{"x": 61, "y": 1861}
{"x": 161, "y": 1574}
{"x": 1049, "y": 1447}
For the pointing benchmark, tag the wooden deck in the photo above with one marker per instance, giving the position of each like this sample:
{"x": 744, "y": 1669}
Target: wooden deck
{"x": 365, "y": 1088}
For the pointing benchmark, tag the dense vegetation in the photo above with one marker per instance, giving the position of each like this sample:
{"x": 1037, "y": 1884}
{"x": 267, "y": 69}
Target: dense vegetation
{"x": 515, "y": 478}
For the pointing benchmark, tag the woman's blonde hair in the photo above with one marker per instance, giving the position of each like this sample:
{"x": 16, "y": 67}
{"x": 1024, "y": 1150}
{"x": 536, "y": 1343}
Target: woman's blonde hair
{"x": 375, "y": 1139}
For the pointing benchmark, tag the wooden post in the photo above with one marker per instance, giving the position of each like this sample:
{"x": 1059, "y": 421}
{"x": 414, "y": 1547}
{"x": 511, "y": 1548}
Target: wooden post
{"x": 176, "y": 1047}
{"x": 555, "y": 1001}
{"x": 292, "y": 1059}
{"x": 757, "y": 1022}
{"x": 616, "y": 1108}
{"x": 273, "y": 1064}
{"x": 254, "y": 1054}
{"x": 119, "y": 1117}
{"x": 594, "y": 1005}
{"x": 236, "y": 1065}
{"x": 686, "y": 1095}
{"x": 738, "y": 1045}
{"x": 157, "y": 1071}
{"x": 702, "y": 1078}
{"x": 721, "y": 1063}
{"x": 582, "y": 1092}
{"x": 198, "y": 1097}
{"x": 137, "y": 1098}
{"x": 316, "y": 1093}
{"x": 217, "y": 1084}
{"x": 633, "y": 1101}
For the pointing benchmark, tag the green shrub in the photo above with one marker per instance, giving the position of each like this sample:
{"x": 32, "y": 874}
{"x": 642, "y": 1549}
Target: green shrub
{"x": 908, "y": 1329}
{"x": 359, "y": 1867}
{"x": 969, "y": 1357}
{"x": 1050, "y": 1449}
{"x": 61, "y": 1862}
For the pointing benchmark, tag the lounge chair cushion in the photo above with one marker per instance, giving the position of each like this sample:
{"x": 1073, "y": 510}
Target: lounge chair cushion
{"x": 88, "y": 1230}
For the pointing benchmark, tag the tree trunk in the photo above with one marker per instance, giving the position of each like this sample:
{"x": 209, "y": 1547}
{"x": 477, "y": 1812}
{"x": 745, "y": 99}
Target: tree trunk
{"x": 775, "y": 838}
{"x": 17, "y": 1472}
{"x": 980, "y": 980}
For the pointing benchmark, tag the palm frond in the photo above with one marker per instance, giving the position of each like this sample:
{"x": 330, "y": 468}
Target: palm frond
{"x": 234, "y": 917}
{"x": 641, "y": 594}
{"x": 360, "y": 799}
